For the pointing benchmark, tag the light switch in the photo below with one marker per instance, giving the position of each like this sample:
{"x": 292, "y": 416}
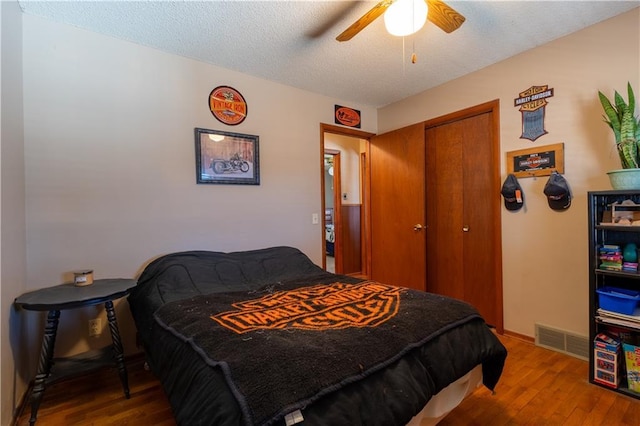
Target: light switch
{"x": 344, "y": 196}
{"x": 314, "y": 218}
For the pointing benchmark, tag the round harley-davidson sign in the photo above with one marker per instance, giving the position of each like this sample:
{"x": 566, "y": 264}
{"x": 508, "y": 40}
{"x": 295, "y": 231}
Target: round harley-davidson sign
{"x": 227, "y": 105}
{"x": 347, "y": 116}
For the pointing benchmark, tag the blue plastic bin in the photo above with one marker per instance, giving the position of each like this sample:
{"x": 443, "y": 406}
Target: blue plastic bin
{"x": 618, "y": 299}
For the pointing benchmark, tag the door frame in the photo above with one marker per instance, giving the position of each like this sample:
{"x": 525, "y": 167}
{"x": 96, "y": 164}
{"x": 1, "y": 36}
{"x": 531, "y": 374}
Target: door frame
{"x": 365, "y": 230}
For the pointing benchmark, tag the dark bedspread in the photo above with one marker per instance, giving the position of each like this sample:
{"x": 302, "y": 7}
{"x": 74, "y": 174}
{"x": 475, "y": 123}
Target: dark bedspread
{"x": 209, "y": 382}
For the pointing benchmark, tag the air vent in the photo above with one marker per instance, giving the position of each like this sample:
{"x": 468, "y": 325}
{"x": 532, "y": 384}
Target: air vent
{"x": 562, "y": 341}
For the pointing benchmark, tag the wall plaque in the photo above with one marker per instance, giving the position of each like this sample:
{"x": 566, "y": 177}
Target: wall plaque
{"x": 540, "y": 161}
{"x": 227, "y": 105}
{"x": 532, "y": 103}
{"x": 347, "y": 116}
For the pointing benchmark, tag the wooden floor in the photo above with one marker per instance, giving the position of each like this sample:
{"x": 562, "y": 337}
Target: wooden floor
{"x": 98, "y": 399}
{"x": 543, "y": 387}
{"x": 538, "y": 387}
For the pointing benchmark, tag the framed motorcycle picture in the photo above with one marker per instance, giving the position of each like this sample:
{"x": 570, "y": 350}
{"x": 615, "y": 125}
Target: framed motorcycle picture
{"x": 227, "y": 158}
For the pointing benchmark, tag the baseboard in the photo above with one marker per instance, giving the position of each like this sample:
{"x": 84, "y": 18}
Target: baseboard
{"x": 519, "y": 336}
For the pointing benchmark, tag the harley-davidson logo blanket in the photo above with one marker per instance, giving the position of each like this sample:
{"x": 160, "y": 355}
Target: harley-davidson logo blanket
{"x": 319, "y": 307}
{"x": 285, "y": 347}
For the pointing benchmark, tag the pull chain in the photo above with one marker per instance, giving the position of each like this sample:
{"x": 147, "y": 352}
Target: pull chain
{"x": 414, "y": 57}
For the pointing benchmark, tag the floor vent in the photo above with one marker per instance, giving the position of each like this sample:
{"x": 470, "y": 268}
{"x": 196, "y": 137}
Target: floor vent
{"x": 562, "y": 341}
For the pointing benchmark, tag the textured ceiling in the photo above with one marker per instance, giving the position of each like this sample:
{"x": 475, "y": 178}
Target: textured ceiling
{"x": 293, "y": 42}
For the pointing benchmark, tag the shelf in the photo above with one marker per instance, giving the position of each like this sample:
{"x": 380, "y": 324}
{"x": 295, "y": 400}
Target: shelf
{"x": 603, "y": 232}
{"x": 623, "y": 228}
{"x": 615, "y": 323}
{"x": 82, "y": 363}
{"x": 629, "y": 392}
{"x": 615, "y": 192}
{"x": 624, "y": 390}
{"x": 625, "y": 274}
{"x": 616, "y": 318}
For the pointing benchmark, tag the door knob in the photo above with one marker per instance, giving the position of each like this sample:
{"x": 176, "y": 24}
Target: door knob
{"x": 417, "y": 227}
{"x": 465, "y": 229}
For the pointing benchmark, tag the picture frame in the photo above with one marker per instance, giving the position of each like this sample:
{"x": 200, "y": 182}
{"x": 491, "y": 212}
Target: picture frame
{"x": 226, "y": 158}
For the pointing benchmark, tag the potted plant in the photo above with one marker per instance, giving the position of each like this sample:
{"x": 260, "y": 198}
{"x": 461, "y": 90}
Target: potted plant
{"x": 619, "y": 115}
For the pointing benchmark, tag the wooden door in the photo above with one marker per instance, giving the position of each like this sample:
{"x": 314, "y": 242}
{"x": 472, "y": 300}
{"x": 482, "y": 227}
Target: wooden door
{"x": 397, "y": 207}
{"x": 463, "y": 210}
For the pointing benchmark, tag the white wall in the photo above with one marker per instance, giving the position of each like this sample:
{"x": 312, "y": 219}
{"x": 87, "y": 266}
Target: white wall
{"x": 545, "y": 253}
{"x": 12, "y": 208}
{"x": 110, "y": 164}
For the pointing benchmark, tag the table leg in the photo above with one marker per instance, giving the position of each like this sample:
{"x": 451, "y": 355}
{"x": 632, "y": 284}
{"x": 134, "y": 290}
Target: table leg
{"x": 117, "y": 346}
{"x": 44, "y": 364}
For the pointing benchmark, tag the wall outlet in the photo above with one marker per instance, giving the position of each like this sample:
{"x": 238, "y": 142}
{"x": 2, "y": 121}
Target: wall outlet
{"x": 95, "y": 327}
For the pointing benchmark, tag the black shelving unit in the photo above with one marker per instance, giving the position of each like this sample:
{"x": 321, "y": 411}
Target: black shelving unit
{"x": 600, "y": 234}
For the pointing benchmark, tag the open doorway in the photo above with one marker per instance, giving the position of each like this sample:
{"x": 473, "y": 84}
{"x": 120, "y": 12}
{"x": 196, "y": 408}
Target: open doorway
{"x": 332, "y": 205}
{"x": 344, "y": 200}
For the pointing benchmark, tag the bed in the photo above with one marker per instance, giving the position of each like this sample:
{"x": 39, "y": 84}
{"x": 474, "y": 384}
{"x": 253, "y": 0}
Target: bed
{"x": 268, "y": 337}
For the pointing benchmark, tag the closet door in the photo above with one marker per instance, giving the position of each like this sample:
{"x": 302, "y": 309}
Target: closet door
{"x": 463, "y": 211}
{"x": 435, "y": 208}
{"x": 397, "y": 193}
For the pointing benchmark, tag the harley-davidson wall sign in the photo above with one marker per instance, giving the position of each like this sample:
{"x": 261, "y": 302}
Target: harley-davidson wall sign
{"x": 347, "y": 116}
{"x": 227, "y": 105}
{"x": 532, "y": 103}
{"x": 540, "y": 161}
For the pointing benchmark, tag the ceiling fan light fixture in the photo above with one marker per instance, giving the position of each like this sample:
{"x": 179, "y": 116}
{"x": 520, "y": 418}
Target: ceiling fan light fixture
{"x": 405, "y": 17}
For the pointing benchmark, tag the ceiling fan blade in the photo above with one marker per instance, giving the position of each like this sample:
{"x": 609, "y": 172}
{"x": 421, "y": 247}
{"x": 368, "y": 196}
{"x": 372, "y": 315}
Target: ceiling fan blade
{"x": 365, "y": 20}
{"x": 444, "y": 16}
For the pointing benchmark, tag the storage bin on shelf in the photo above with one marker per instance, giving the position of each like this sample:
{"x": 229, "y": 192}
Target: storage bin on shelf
{"x": 618, "y": 300}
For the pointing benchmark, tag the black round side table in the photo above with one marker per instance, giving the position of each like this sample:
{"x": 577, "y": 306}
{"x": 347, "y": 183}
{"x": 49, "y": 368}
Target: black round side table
{"x": 69, "y": 296}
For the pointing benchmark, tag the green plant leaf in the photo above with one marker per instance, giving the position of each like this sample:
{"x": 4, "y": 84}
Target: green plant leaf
{"x": 628, "y": 126}
{"x": 629, "y": 151}
{"x": 612, "y": 115}
{"x": 620, "y": 117}
{"x": 621, "y": 105}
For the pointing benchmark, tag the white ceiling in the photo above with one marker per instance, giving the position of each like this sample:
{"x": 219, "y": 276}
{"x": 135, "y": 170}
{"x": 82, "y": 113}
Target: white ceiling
{"x": 293, "y": 42}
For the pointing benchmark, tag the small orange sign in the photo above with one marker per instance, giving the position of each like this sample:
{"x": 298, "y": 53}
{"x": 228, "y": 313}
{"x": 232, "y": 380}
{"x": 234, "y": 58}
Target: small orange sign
{"x": 227, "y": 105}
{"x": 347, "y": 116}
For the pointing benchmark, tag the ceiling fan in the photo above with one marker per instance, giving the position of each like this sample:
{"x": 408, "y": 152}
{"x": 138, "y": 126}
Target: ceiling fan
{"x": 439, "y": 13}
